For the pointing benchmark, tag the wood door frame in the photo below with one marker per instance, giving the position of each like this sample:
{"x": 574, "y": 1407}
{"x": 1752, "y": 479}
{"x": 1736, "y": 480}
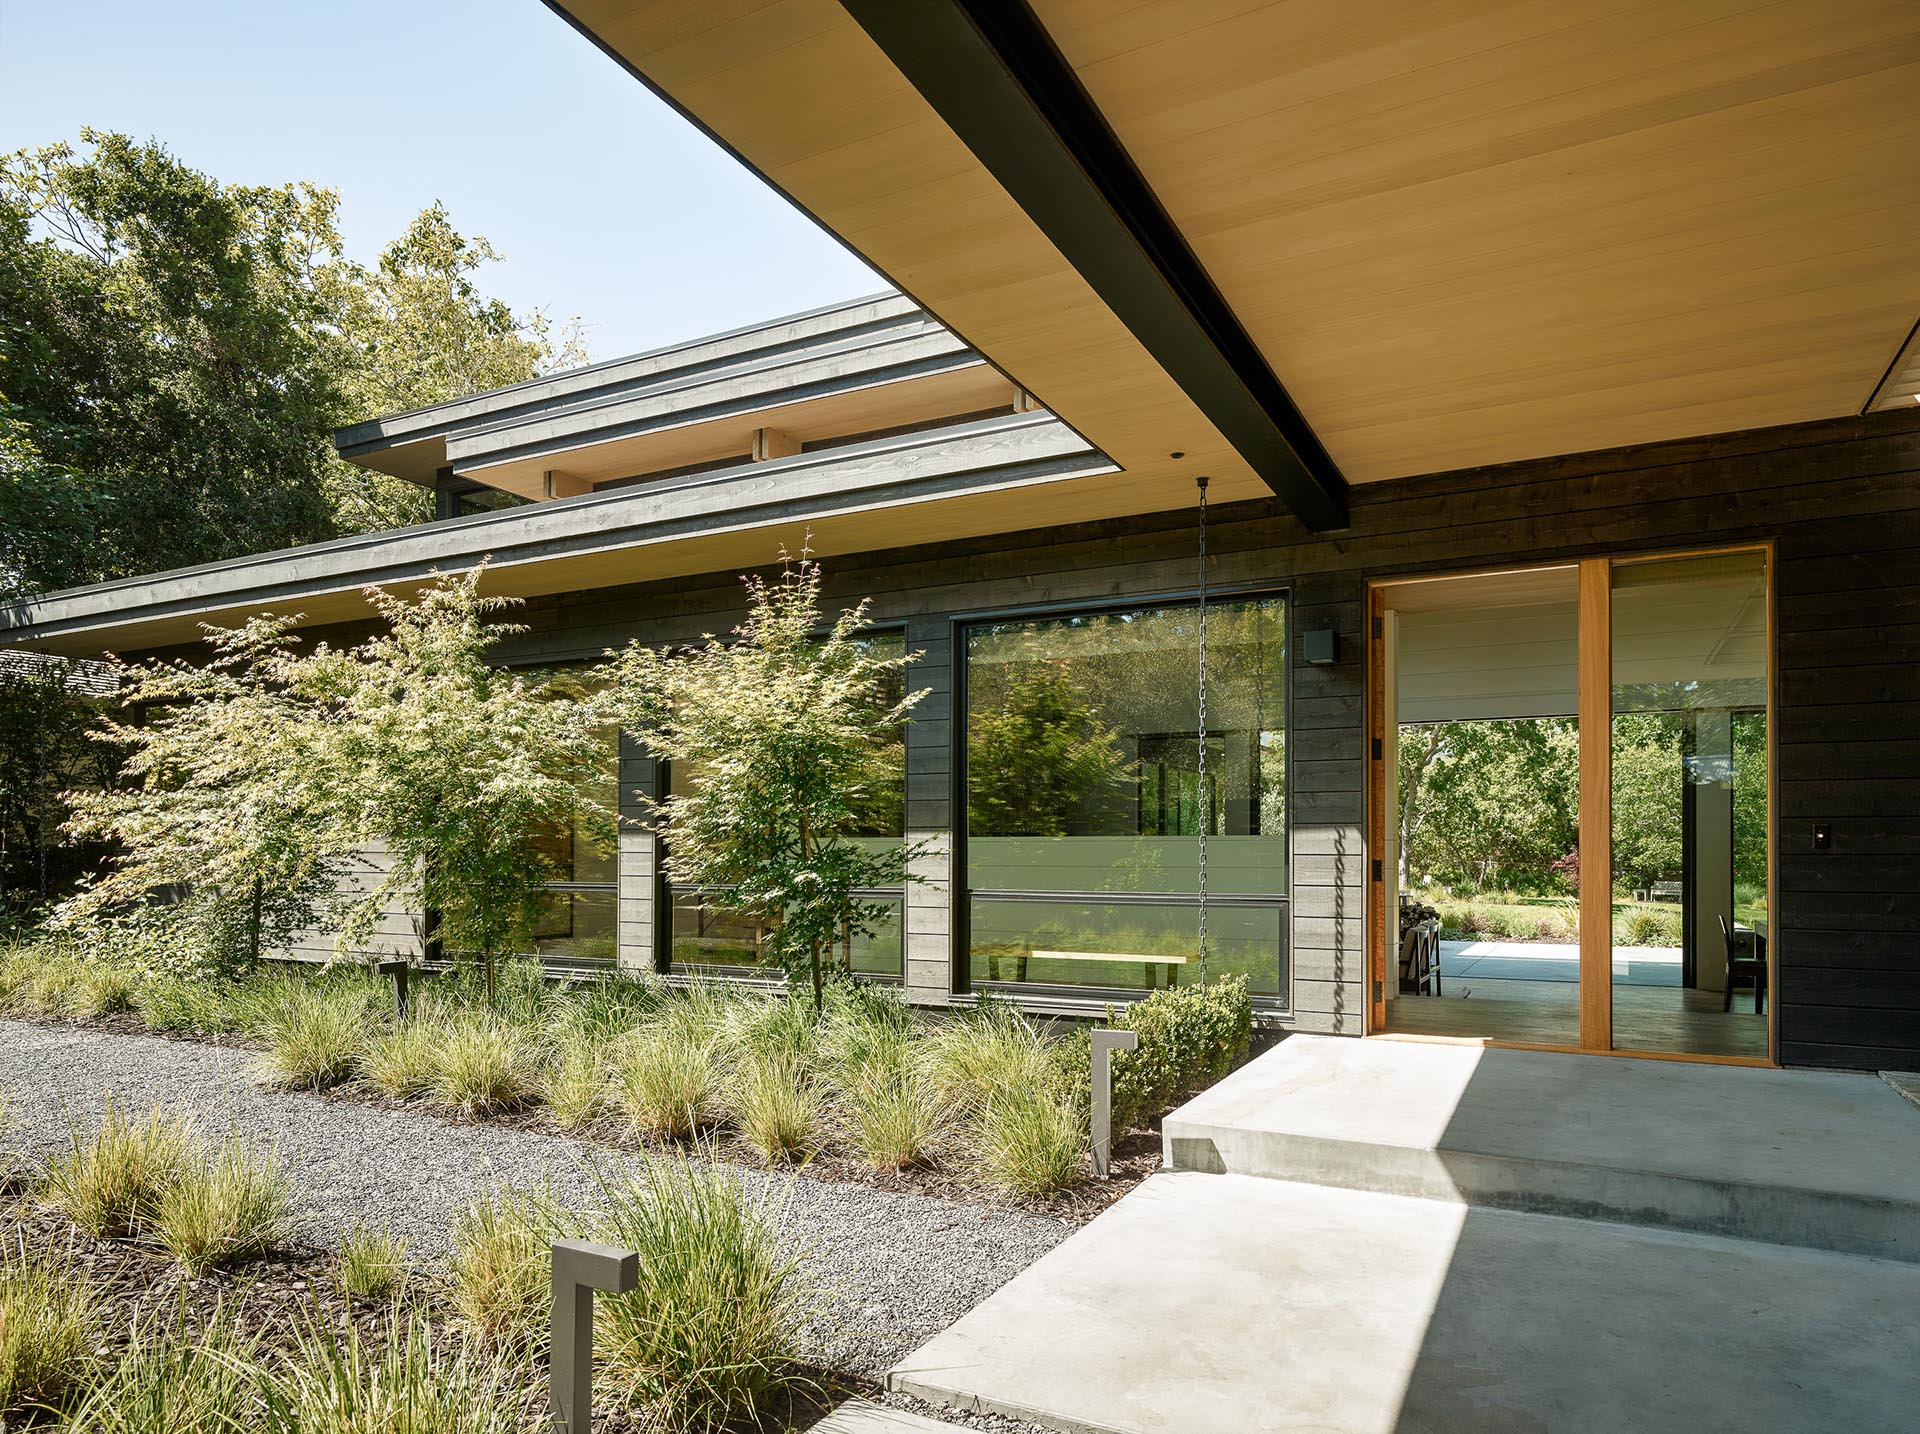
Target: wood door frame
{"x": 1594, "y": 616}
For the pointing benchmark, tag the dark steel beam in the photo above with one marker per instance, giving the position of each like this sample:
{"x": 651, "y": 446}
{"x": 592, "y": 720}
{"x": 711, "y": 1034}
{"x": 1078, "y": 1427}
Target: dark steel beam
{"x": 996, "y": 78}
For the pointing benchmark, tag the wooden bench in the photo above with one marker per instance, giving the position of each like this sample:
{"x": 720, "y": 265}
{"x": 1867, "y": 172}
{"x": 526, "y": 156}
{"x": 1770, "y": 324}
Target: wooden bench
{"x": 1665, "y": 891}
{"x": 1150, "y": 963}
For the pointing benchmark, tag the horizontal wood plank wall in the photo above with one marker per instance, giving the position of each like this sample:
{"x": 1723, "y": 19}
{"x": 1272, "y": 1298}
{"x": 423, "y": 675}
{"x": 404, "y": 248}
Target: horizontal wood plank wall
{"x": 1843, "y": 501}
{"x": 637, "y": 912}
{"x": 928, "y": 943}
{"x": 396, "y": 932}
{"x": 1327, "y": 790}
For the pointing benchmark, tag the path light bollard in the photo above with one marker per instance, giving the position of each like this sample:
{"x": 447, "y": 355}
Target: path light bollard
{"x": 1105, "y": 1043}
{"x": 580, "y": 1268}
{"x": 397, "y": 970}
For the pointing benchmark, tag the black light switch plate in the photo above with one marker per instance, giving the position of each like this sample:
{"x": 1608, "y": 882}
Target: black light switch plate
{"x": 1823, "y": 836}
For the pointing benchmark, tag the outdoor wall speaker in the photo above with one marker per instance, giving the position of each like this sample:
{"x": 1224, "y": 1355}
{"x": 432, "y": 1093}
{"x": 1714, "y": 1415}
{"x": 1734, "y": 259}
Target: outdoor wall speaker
{"x": 1319, "y": 647}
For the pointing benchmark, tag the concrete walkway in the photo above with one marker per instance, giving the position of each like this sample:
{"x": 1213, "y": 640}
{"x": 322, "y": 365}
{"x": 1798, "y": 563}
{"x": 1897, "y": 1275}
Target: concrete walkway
{"x": 1227, "y": 1304}
{"x": 1410, "y": 1237}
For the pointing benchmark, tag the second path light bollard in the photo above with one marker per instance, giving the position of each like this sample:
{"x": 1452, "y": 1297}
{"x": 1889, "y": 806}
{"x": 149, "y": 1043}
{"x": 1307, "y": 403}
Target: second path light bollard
{"x": 1105, "y": 1043}
{"x": 580, "y": 1268}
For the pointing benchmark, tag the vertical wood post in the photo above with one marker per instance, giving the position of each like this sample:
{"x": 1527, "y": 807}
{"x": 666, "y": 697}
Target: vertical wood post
{"x": 1596, "y": 804}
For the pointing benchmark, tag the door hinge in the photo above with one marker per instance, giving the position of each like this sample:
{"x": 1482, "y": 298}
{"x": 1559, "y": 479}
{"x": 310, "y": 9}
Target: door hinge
{"x": 1379, "y": 627}
{"x": 1379, "y": 749}
{"x": 1379, "y": 990}
{"x": 1376, "y": 868}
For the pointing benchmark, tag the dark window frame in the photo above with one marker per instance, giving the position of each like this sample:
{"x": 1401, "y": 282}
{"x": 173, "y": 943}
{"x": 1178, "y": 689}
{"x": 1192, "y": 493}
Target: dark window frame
{"x": 960, "y": 828}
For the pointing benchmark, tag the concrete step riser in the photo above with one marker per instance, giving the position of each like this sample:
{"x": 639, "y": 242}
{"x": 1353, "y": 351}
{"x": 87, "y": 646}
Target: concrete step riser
{"x": 1817, "y": 1220}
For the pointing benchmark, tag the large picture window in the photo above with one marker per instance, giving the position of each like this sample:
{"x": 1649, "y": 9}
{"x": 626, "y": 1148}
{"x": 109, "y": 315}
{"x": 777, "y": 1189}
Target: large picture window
{"x": 1085, "y": 797}
{"x": 706, "y": 934}
{"x": 578, "y": 919}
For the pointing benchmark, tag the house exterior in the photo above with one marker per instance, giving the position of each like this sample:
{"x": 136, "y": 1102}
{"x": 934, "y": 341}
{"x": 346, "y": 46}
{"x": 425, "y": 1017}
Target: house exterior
{"x": 1545, "y": 365}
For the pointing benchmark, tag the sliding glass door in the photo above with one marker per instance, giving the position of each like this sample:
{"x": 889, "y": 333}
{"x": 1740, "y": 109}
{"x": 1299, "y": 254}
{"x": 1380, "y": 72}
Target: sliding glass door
{"x": 1571, "y": 801}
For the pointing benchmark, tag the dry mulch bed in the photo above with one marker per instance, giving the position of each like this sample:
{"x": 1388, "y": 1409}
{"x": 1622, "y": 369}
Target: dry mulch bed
{"x": 274, "y": 1297}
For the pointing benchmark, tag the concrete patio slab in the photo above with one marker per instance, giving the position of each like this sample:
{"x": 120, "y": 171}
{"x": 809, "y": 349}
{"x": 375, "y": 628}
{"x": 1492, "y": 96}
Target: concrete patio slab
{"x": 1209, "y": 1304}
{"x": 1823, "y": 1159}
{"x": 863, "y": 1416}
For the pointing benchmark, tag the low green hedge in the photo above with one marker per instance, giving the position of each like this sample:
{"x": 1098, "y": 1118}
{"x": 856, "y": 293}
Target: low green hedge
{"x": 1190, "y": 1037}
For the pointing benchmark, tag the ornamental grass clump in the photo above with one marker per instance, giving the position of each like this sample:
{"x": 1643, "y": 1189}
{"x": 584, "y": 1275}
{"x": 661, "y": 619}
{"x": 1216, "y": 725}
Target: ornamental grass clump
{"x": 484, "y": 1067}
{"x": 50, "y": 1322}
{"x": 1028, "y": 1139}
{"x": 891, "y": 1113}
{"x": 973, "y": 1056}
{"x": 666, "y": 1079}
{"x": 711, "y": 1331}
{"x": 400, "y": 1060}
{"x": 102, "y": 989}
{"x": 775, "y": 1102}
{"x": 313, "y": 1033}
{"x": 501, "y": 1266}
{"x": 573, "y": 1083}
{"x": 111, "y": 1183}
{"x": 176, "y": 1377}
{"x": 231, "y": 1205}
{"x": 405, "y": 1379}
{"x": 371, "y": 1264}
{"x": 181, "y": 1004}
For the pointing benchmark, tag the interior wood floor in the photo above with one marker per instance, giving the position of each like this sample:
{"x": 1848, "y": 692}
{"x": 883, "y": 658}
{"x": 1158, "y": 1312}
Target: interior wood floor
{"x": 1645, "y": 1018}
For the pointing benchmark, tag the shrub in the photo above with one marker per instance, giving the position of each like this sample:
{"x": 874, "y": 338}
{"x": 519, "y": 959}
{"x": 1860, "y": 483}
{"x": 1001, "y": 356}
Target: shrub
{"x": 665, "y": 1079}
{"x": 1648, "y": 928}
{"x": 342, "y": 1382}
{"x": 1190, "y": 1037}
{"x": 112, "y": 1183}
{"x": 483, "y": 1067}
{"x": 1028, "y": 1139}
{"x": 892, "y": 1113}
{"x": 573, "y": 1083}
{"x": 236, "y": 1205}
{"x": 776, "y": 1104}
{"x": 604, "y": 1010}
{"x": 312, "y": 1033}
{"x": 49, "y": 1322}
{"x": 401, "y": 1060}
{"x": 174, "y": 1379}
{"x": 371, "y": 1264}
{"x": 711, "y": 1328}
{"x": 502, "y": 1272}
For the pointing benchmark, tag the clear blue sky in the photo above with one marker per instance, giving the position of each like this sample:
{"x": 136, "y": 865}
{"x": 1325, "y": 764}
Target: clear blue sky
{"x": 605, "y": 203}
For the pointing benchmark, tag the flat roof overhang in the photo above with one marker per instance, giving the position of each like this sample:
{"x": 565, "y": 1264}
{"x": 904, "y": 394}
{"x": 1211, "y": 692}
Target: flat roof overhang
{"x": 1480, "y": 233}
{"x": 990, "y": 476}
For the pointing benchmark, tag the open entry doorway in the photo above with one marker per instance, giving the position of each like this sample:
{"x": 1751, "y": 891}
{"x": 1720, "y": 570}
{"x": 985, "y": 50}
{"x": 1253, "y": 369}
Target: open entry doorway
{"x": 1573, "y": 772}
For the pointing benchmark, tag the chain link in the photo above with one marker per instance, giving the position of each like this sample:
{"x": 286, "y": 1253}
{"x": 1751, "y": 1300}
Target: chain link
{"x": 1206, "y": 796}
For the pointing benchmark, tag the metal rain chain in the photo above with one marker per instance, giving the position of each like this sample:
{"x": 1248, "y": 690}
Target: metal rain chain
{"x": 1206, "y": 797}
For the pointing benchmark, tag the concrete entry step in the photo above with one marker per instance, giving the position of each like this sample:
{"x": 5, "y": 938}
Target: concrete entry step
{"x": 863, "y": 1416}
{"x": 1209, "y": 1304}
{"x": 1816, "y": 1158}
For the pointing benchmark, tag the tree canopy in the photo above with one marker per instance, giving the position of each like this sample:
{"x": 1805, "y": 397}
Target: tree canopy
{"x": 175, "y": 354}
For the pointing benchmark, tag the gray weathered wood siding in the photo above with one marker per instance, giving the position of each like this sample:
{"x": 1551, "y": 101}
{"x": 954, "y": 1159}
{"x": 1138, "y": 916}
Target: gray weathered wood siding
{"x": 1841, "y": 500}
{"x": 396, "y": 932}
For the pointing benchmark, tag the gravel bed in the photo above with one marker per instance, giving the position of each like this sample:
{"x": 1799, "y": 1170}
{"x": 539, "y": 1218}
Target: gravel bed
{"x": 887, "y": 1270}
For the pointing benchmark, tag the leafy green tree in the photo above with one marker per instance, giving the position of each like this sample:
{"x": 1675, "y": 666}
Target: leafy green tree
{"x": 423, "y": 332}
{"x": 219, "y": 808}
{"x": 176, "y": 353}
{"x": 1038, "y": 756}
{"x": 456, "y": 768}
{"x": 47, "y": 710}
{"x": 1648, "y": 782}
{"x": 163, "y": 339}
{"x": 791, "y": 735}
